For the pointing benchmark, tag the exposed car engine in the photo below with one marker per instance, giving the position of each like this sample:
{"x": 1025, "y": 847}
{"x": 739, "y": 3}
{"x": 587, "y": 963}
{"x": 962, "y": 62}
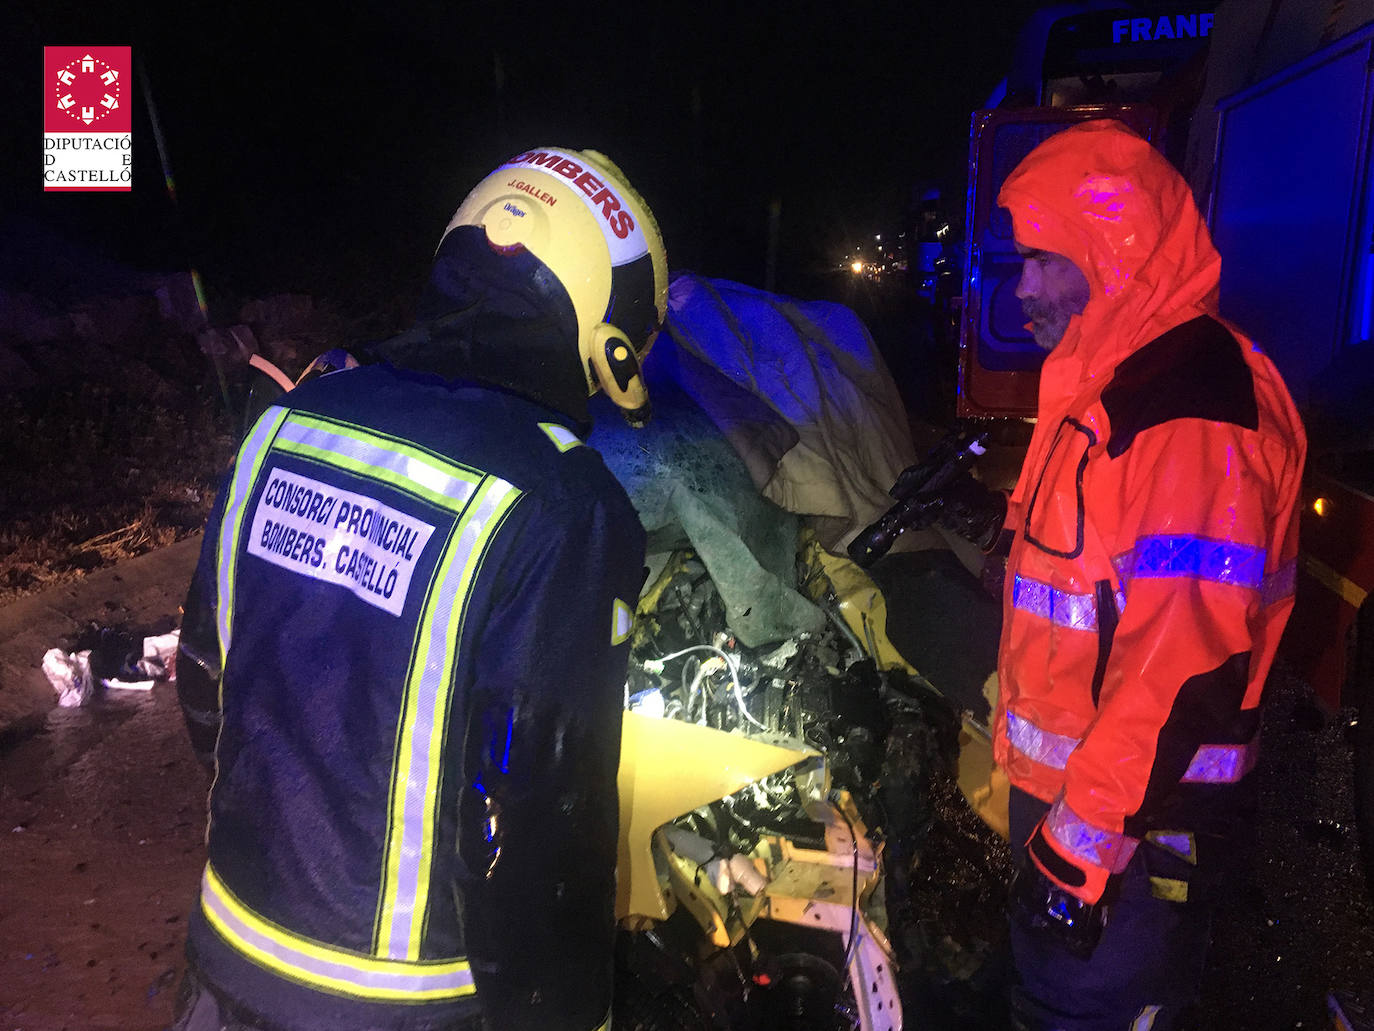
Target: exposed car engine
{"x": 839, "y": 825}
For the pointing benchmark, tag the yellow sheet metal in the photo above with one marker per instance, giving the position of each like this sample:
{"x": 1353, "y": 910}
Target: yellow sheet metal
{"x": 864, "y": 611}
{"x": 646, "y": 611}
{"x": 861, "y": 604}
{"x": 984, "y": 785}
{"x": 667, "y": 768}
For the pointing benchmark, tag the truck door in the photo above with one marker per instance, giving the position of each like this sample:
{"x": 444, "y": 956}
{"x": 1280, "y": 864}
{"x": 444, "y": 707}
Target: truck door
{"x": 1290, "y": 209}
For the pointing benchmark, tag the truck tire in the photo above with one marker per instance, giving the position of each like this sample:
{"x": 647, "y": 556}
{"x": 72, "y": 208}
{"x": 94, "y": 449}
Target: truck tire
{"x": 1363, "y": 694}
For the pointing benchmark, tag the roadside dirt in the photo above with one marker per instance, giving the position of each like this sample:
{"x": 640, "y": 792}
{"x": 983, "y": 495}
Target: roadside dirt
{"x": 117, "y": 425}
{"x": 103, "y": 815}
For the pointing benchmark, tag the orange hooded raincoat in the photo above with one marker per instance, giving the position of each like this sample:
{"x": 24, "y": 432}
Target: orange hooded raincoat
{"x": 1152, "y": 568}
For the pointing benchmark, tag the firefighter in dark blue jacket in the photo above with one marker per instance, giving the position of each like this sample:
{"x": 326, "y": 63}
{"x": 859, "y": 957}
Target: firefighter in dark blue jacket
{"x": 404, "y": 647}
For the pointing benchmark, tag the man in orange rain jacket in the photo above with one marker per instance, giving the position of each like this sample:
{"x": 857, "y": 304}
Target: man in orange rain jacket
{"x": 1148, "y": 580}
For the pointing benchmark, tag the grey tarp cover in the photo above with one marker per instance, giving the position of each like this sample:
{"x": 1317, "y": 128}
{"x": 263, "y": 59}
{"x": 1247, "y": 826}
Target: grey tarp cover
{"x": 766, "y": 409}
{"x": 829, "y": 396}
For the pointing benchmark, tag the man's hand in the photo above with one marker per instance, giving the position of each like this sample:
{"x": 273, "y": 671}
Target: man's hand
{"x": 1040, "y": 904}
{"x": 972, "y": 510}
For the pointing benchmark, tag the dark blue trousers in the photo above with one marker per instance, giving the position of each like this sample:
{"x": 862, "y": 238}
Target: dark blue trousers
{"x": 1147, "y": 969}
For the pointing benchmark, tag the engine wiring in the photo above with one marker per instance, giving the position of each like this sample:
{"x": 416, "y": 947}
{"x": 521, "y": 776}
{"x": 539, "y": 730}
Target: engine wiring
{"x": 732, "y": 664}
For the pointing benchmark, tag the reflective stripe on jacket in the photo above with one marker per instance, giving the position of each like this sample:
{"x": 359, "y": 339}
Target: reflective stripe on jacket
{"x": 1152, "y": 568}
{"x": 416, "y": 591}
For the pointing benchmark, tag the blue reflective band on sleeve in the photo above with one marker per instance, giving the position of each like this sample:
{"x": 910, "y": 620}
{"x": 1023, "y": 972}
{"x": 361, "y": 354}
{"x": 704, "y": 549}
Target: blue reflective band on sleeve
{"x": 1221, "y": 764}
{"x": 1063, "y": 608}
{"x": 1279, "y": 584}
{"x": 1197, "y": 558}
{"x": 1111, "y": 850}
{"x": 1044, "y": 746}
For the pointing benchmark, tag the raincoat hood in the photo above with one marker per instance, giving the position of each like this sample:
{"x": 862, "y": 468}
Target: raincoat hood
{"x": 1100, "y": 195}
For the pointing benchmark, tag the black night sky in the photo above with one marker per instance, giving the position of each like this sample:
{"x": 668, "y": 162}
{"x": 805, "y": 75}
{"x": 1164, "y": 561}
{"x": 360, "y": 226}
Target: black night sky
{"x": 320, "y": 147}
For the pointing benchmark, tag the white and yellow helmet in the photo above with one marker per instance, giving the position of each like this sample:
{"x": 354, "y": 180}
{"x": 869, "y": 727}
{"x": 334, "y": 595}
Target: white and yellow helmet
{"x": 576, "y": 213}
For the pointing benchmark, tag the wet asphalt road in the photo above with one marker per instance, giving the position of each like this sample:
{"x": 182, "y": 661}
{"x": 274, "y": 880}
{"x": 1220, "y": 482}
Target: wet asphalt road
{"x": 1302, "y": 924}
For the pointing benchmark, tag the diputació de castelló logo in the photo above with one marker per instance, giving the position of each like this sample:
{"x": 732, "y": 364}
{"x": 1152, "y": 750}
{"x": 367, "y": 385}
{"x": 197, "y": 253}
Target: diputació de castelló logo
{"x": 87, "y": 118}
